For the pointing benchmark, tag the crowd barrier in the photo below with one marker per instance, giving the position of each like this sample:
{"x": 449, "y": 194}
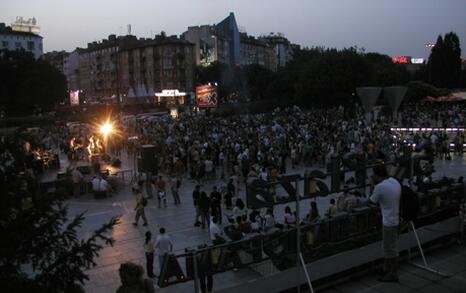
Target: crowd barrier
{"x": 328, "y": 236}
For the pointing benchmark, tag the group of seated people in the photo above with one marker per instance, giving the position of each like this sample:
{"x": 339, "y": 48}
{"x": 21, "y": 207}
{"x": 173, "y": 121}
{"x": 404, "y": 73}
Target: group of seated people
{"x": 241, "y": 224}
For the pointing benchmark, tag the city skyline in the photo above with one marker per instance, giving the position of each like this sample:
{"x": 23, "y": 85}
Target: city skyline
{"x": 390, "y": 27}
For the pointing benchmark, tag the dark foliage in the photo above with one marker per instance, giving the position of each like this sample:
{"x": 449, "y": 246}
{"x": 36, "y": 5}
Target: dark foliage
{"x": 41, "y": 251}
{"x": 28, "y": 84}
{"x": 445, "y": 62}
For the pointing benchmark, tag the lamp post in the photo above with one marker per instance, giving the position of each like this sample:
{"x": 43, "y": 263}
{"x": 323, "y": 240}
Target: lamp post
{"x": 106, "y": 129}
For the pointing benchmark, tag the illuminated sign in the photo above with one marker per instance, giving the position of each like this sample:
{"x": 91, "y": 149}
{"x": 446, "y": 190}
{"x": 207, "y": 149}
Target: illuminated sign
{"x": 206, "y": 96}
{"x": 170, "y": 93}
{"x": 74, "y": 98}
{"x": 401, "y": 60}
{"x": 171, "y": 97}
{"x": 417, "y": 60}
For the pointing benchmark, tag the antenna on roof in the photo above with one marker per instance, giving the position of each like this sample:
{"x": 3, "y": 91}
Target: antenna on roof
{"x": 129, "y": 29}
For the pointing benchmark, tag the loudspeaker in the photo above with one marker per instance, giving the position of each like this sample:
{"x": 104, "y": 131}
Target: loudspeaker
{"x": 148, "y": 159}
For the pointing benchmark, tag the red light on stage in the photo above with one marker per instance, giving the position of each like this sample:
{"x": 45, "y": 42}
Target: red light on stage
{"x": 400, "y": 60}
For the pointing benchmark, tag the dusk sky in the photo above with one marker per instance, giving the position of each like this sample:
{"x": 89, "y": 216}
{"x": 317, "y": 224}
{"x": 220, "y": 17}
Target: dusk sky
{"x": 393, "y": 27}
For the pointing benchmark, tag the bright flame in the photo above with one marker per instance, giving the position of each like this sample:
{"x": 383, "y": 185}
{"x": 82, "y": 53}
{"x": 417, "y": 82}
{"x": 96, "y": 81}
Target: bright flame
{"x": 106, "y": 129}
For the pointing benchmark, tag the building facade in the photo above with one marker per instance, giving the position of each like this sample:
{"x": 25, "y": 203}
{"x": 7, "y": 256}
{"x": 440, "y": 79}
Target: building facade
{"x": 98, "y": 67}
{"x": 255, "y": 51}
{"x": 155, "y": 65}
{"x": 57, "y": 59}
{"x": 125, "y": 68}
{"x": 71, "y": 70}
{"x": 220, "y": 42}
{"x": 20, "y": 40}
{"x": 282, "y": 46}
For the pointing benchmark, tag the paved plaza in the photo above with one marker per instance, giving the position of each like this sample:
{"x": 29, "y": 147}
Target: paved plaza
{"x": 178, "y": 221}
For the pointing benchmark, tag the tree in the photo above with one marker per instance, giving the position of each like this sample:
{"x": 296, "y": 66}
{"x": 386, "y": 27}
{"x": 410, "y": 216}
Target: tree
{"x": 28, "y": 83}
{"x": 258, "y": 78}
{"x": 41, "y": 251}
{"x": 445, "y": 61}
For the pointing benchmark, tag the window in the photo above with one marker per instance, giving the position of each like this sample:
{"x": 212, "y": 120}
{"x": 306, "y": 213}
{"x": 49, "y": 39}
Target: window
{"x": 5, "y": 44}
{"x": 31, "y": 46}
{"x": 18, "y": 45}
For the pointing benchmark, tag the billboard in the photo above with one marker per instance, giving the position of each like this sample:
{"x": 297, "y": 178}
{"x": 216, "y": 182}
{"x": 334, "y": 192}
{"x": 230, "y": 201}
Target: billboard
{"x": 206, "y": 96}
{"x": 74, "y": 98}
{"x": 417, "y": 60}
{"x": 401, "y": 60}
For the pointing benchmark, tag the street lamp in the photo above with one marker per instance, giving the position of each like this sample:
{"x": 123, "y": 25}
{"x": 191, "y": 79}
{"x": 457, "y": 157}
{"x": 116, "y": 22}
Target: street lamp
{"x": 106, "y": 129}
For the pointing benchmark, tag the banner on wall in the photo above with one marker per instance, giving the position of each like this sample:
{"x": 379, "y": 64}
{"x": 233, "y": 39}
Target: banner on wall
{"x": 206, "y": 96}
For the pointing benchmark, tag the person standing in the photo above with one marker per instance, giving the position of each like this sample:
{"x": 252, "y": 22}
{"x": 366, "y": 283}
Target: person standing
{"x": 196, "y": 197}
{"x": 100, "y": 187}
{"x": 141, "y": 202}
{"x": 216, "y": 204}
{"x": 313, "y": 213}
{"x": 77, "y": 178}
{"x": 332, "y": 208}
{"x": 163, "y": 246}
{"x": 229, "y": 194}
{"x": 387, "y": 194}
{"x": 175, "y": 187}
{"x": 161, "y": 195}
{"x": 204, "y": 209}
{"x": 149, "y": 250}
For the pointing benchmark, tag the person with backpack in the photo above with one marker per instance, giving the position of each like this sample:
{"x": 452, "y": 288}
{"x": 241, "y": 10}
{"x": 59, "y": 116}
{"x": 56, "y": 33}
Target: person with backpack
{"x": 387, "y": 194}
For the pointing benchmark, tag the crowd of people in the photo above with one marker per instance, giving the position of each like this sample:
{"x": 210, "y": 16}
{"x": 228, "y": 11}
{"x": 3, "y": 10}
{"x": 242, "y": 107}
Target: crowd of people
{"x": 430, "y": 114}
{"x": 230, "y": 151}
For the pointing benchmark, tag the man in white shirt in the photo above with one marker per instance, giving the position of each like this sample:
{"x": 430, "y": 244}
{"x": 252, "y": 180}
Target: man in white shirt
{"x": 163, "y": 246}
{"x": 100, "y": 187}
{"x": 216, "y": 234}
{"x": 387, "y": 193}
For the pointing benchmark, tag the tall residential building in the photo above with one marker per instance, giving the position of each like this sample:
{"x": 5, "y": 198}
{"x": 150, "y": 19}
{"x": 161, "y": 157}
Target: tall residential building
{"x": 71, "y": 70}
{"x": 282, "y": 46}
{"x": 98, "y": 67}
{"x": 154, "y": 65}
{"x": 125, "y": 67}
{"x": 57, "y": 59}
{"x": 20, "y": 40}
{"x": 255, "y": 51}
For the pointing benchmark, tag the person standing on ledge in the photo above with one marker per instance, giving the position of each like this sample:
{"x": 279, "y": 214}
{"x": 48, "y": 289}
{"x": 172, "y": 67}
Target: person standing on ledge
{"x": 163, "y": 246}
{"x": 387, "y": 194}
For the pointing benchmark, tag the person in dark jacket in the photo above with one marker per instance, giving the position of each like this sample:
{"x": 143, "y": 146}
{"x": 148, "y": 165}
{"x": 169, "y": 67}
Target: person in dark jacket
{"x": 196, "y": 197}
{"x": 215, "y": 204}
{"x": 204, "y": 209}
